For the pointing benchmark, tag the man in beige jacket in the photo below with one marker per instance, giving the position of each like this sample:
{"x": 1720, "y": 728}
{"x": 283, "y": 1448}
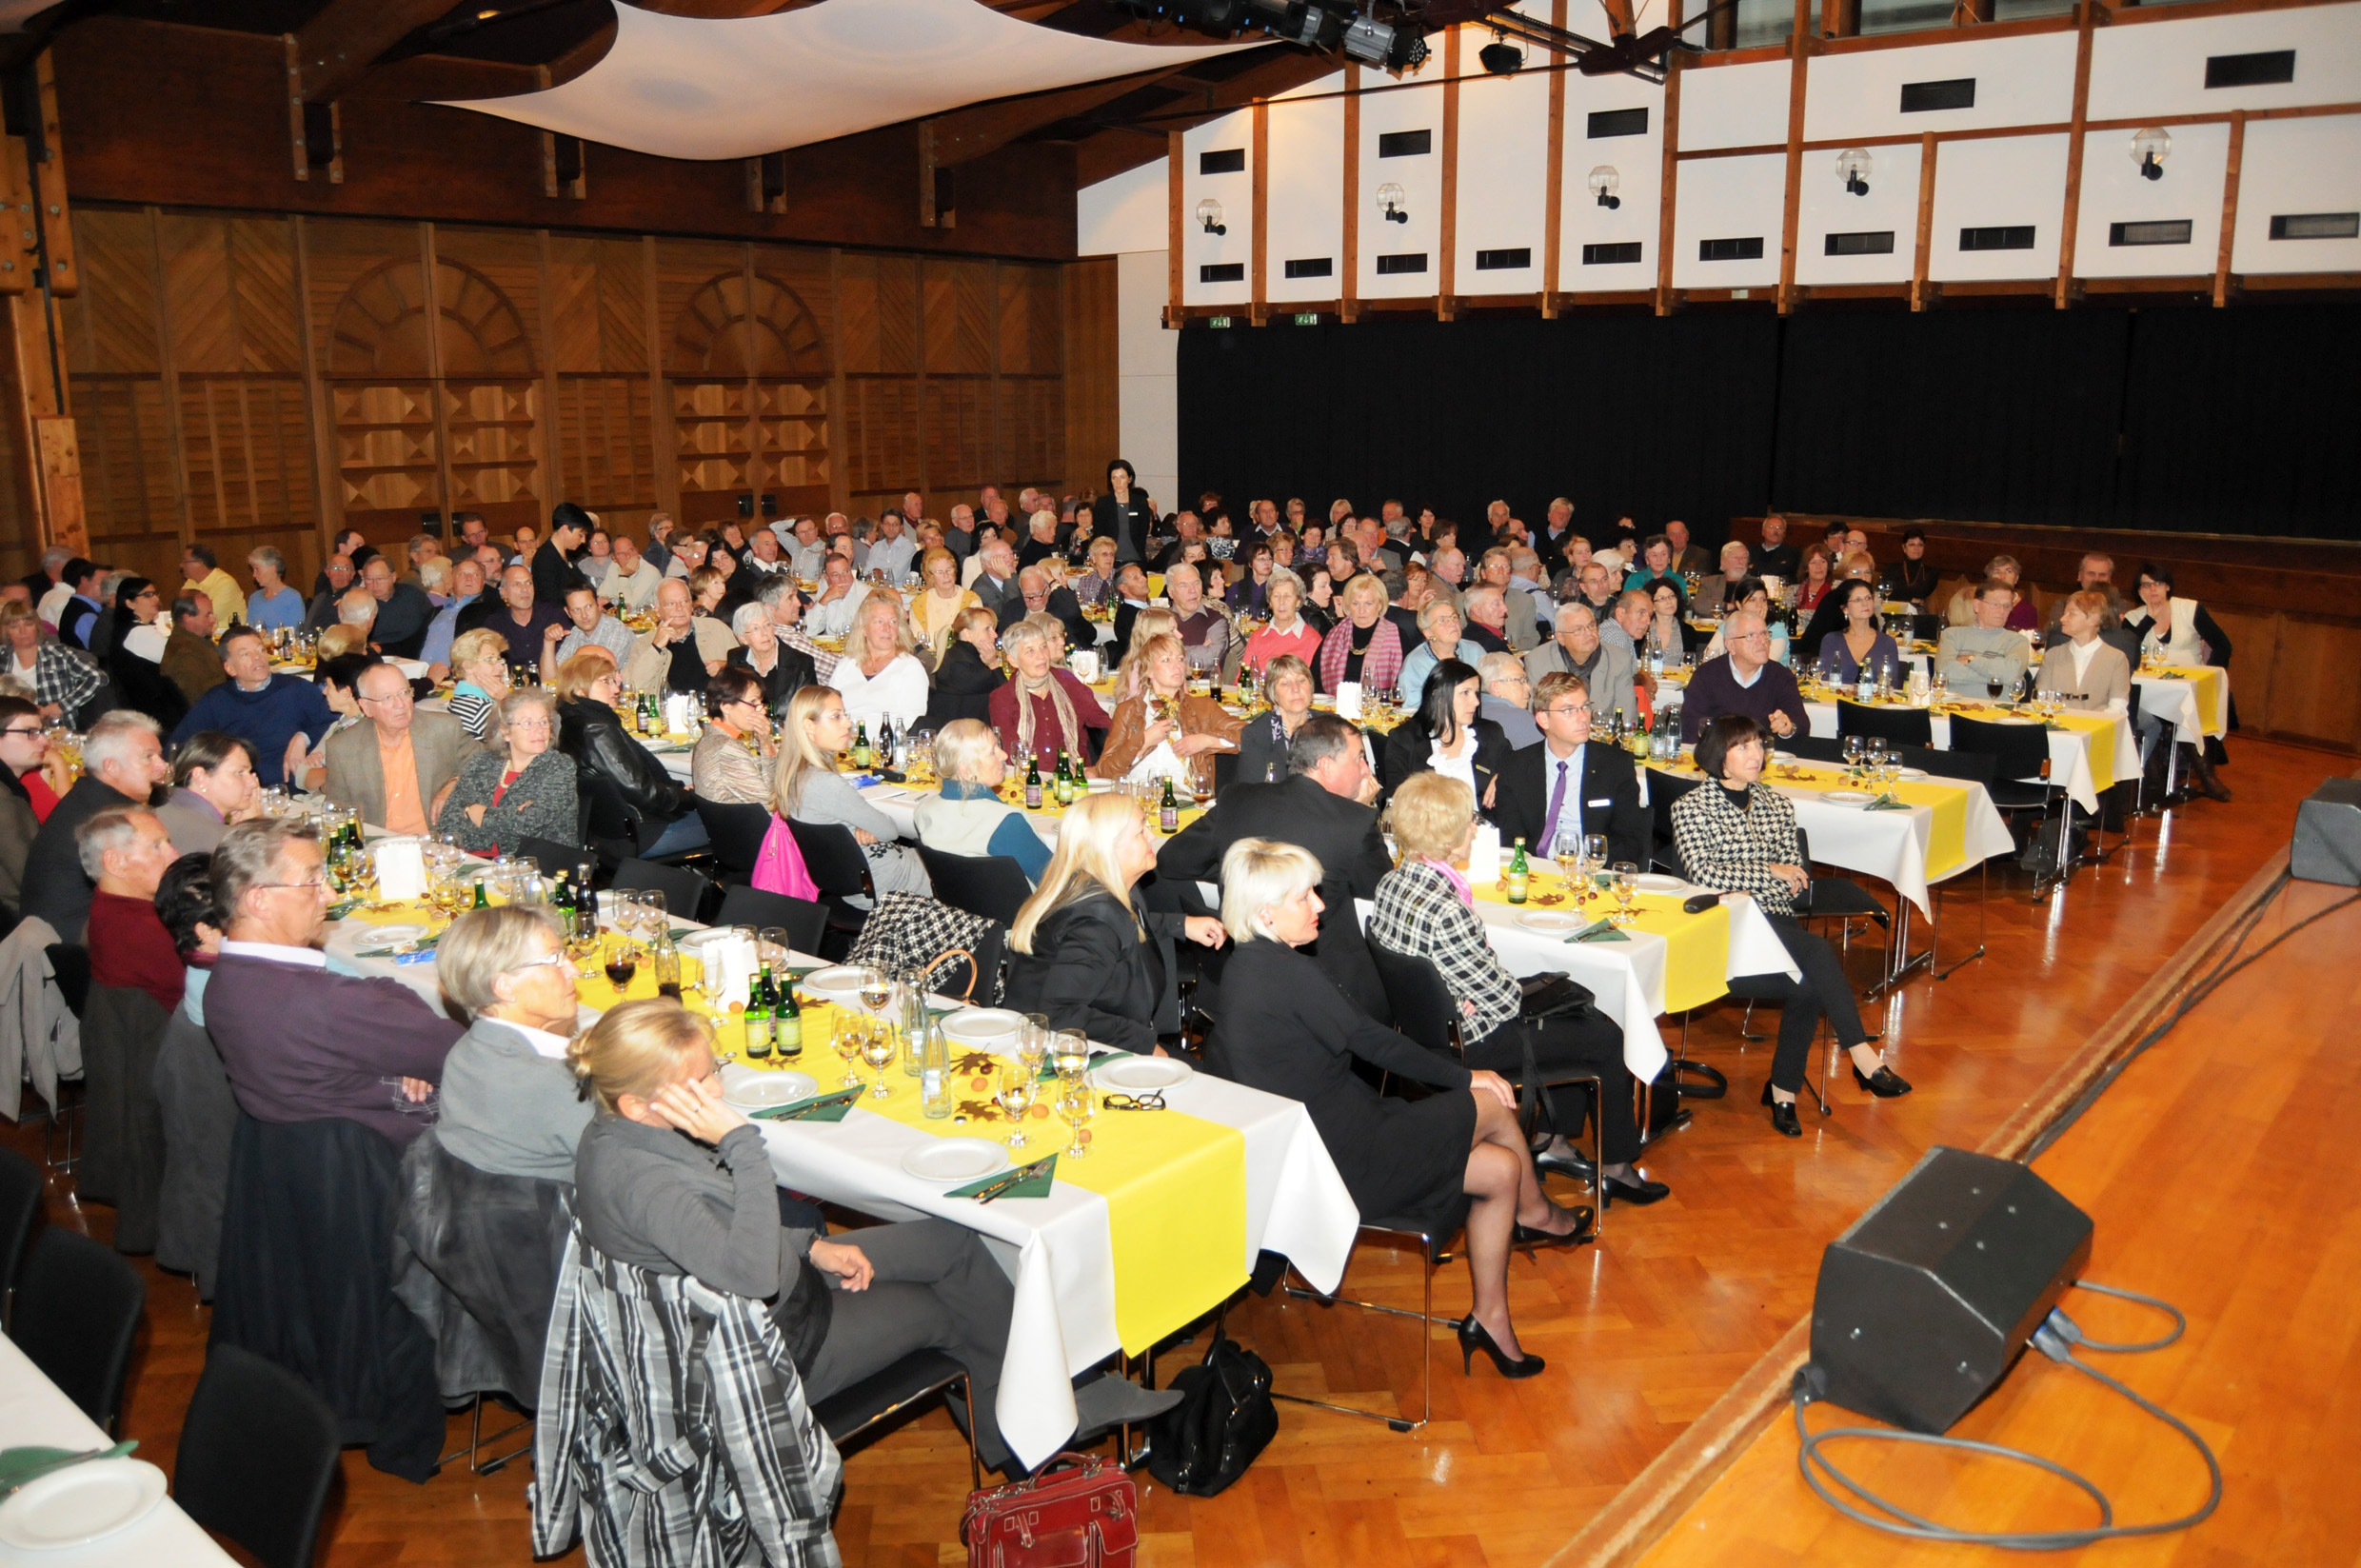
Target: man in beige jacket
{"x": 398, "y": 765}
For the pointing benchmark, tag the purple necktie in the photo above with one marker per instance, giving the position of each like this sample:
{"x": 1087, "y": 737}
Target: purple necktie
{"x": 1557, "y": 798}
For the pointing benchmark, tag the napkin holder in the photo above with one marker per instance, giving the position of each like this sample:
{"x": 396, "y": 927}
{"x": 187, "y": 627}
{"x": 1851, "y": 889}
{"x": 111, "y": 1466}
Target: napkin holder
{"x": 401, "y": 871}
{"x": 1484, "y": 856}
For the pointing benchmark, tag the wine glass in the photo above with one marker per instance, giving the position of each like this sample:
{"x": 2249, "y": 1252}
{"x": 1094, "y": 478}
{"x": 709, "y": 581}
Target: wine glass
{"x": 876, "y": 989}
{"x": 877, "y": 1049}
{"x": 1017, "y": 1092}
{"x": 1853, "y": 753}
{"x": 1626, "y": 889}
{"x": 1034, "y": 1041}
{"x": 772, "y": 944}
{"x": 709, "y": 984}
{"x": 851, "y": 1032}
{"x": 1071, "y": 1055}
{"x": 623, "y": 961}
{"x": 1074, "y": 1105}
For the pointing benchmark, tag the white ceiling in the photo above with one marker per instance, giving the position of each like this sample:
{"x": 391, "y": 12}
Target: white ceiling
{"x": 680, "y": 87}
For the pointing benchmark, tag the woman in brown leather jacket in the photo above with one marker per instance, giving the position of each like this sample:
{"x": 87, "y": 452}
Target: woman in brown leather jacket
{"x": 1165, "y": 714}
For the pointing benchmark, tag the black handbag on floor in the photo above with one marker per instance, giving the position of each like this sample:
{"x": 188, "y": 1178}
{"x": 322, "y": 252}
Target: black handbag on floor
{"x": 1224, "y": 1418}
{"x": 1552, "y": 996}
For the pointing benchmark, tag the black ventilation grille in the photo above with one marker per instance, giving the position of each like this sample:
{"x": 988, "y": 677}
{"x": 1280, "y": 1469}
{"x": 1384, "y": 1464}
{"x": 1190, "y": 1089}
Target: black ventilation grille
{"x": 1222, "y": 273}
{"x": 2315, "y": 225}
{"x": 1619, "y": 253}
{"x": 1405, "y": 144}
{"x": 1312, "y": 266}
{"x": 2154, "y": 232}
{"x": 1926, "y": 97}
{"x": 1745, "y": 249}
{"x": 1503, "y": 261}
{"x": 2003, "y": 237}
{"x": 2234, "y": 70}
{"x": 1871, "y": 243}
{"x": 1618, "y": 122}
{"x": 1228, "y": 160}
{"x": 1412, "y": 262}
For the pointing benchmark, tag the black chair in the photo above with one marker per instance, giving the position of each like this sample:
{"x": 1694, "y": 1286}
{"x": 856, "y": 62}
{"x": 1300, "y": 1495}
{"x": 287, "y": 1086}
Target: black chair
{"x": 70, "y": 962}
{"x": 1430, "y": 1233}
{"x": 1663, "y": 789}
{"x": 683, "y": 889}
{"x": 1909, "y": 725}
{"x": 851, "y": 1414}
{"x": 1923, "y": 628}
{"x": 1810, "y": 748}
{"x": 554, "y": 855}
{"x": 612, "y": 827}
{"x": 840, "y": 871}
{"x": 1970, "y": 767}
{"x": 806, "y": 922}
{"x": 258, "y": 1458}
{"x": 21, "y": 1185}
{"x": 2020, "y": 783}
{"x": 77, "y": 1309}
{"x": 1425, "y": 1011}
{"x": 1224, "y": 770}
{"x": 991, "y": 885}
{"x": 736, "y": 834}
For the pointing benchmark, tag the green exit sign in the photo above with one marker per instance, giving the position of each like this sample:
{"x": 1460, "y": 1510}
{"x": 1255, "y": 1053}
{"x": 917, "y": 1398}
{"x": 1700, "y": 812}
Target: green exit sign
{"x": 1307, "y": 318}
{"x": 1217, "y": 321}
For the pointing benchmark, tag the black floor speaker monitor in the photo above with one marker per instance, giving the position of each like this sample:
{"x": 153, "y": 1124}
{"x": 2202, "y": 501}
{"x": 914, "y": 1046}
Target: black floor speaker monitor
{"x": 2327, "y": 835}
{"x": 1926, "y": 1300}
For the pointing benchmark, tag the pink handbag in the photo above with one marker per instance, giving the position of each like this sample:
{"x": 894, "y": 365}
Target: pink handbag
{"x": 779, "y": 868}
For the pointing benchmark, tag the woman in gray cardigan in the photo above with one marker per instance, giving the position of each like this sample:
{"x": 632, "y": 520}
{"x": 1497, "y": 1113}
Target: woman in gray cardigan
{"x": 809, "y": 789}
{"x": 520, "y": 788}
{"x": 510, "y": 1104}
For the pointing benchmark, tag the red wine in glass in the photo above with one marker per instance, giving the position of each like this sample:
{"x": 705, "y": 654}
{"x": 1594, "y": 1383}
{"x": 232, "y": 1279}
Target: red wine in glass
{"x": 618, "y": 972}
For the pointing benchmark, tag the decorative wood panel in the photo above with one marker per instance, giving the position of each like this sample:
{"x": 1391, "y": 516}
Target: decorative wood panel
{"x": 596, "y": 298}
{"x": 229, "y": 294}
{"x": 959, "y": 302}
{"x": 1032, "y": 328}
{"x": 387, "y": 458}
{"x": 110, "y": 326}
{"x": 607, "y": 430}
{"x": 791, "y": 426}
{"x": 126, "y": 457}
{"x": 1032, "y": 430}
{"x": 494, "y": 449}
{"x": 247, "y": 446}
{"x": 880, "y": 423}
{"x": 957, "y": 416}
{"x": 878, "y": 314}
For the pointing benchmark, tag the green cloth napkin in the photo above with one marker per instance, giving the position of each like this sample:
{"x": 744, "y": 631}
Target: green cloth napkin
{"x": 1882, "y": 804}
{"x": 338, "y": 911}
{"x": 1598, "y": 930}
{"x": 1037, "y": 1188}
{"x": 21, "y": 1462}
{"x": 826, "y": 1108}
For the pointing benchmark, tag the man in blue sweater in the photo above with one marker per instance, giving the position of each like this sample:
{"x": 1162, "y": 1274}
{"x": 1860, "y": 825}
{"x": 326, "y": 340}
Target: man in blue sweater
{"x": 281, "y": 717}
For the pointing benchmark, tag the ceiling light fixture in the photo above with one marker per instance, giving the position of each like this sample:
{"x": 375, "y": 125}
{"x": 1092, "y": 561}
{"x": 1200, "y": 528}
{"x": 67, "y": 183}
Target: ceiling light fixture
{"x": 1605, "y": 183}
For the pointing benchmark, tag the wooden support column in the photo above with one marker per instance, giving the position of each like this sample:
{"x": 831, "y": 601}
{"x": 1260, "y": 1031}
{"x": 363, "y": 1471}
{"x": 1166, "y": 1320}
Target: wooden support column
{"x": 49, "y": 473}
{"x": 1799, "y": 46}
{"x": 1919, "y": 294}
{"x": 1174, "y": 230}
{"x": 1554, "y": 196}
{"x": 2230, "y": 207}
{"x": 52, "y": 215}
{"x": 1260, "y": 271}
{"x": 1349, "y": 310}
{"x": 665, "y": 439}
{"x": 317, "y": 398}
{"x": 168, "y": 380}
{"x": 2069, "y": 222}
{"x": 1448, "y": 284}
{"x": 1669, "y": 187}
{"x": 448, "y": 501}
{"x": 20, "y": 242}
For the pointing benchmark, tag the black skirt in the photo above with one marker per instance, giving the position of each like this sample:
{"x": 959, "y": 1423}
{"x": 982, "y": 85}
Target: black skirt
{"x": 1421, "y": 1159}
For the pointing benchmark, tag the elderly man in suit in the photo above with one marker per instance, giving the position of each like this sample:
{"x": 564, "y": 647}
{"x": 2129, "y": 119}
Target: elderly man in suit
{"x": 1686, "y": 556}
{"x": 1523, "y": 629}
{"x": 398, "y": 763}
{"x": 1567, "y": 786}
{"x": 1608, "y": 668}
{"x": 1987, "y": 652}
{"x": 1717, "y": 589}
{"x": 122, "y": 761}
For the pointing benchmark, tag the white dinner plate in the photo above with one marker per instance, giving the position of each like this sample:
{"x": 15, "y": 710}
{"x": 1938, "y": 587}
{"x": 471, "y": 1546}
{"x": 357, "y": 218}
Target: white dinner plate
{"x": 1549, "y": 921}
{"x": 989, "y": 1028}
{"x": 1848, "y": 797}
{"x": 955, "y": 1160}
{"x": 843, "y": 980}
{"x": 386, "y": 937}
{"x": 1656, "y": 881}
{"x": 80, "y": 1504}
{"x": 762, "y": 1091}
{"x": 695, "y": 941}
{"x": 1910, "y": 772}
{"x": 1140, "y": 1074}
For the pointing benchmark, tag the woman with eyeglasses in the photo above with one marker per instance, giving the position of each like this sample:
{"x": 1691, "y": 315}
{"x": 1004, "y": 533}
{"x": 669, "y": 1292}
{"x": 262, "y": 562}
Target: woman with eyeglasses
{"x": 733, "y": 761}
{"x": 522, "y": 788}
{"x": 590, "y": 731}
{"x": 510, "y": 1105}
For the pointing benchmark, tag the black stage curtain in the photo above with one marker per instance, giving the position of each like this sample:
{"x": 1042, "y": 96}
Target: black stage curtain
{"x": 2235, "y": 421}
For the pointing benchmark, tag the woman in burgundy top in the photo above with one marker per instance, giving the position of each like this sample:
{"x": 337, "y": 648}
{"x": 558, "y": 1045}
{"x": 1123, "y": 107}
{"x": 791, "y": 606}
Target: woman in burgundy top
{"x": 126, "y": 853}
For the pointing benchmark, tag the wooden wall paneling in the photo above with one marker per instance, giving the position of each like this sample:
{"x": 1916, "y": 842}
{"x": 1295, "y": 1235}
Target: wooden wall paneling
{"x": 879, "y": 312}
{"x": 2311, "y": 695}
{"x": 328, "y": 485}
{"x": 840, "y": 452}
{"x": 60, "y": 458}
{"x": 370, "y": 300}
{"x": 175, "y": 525}
{"x": 794, "y": 360}
{"x": 55, "y": 215}
{"x": 489, "y": 287}
{"x": 1554, "y": 191}
{"x": 664, "y": 436}
{"x": 956, "y": 307}
{"x": 703, "y": 339}
{"x": 111, "y": 342}
{"x": 1093, "y": 372}
{"x": 437, "y": 395}
{"x": 21, "y": 536}
{"x": 20, "y": 249}
{"x": 1447, "y": 285}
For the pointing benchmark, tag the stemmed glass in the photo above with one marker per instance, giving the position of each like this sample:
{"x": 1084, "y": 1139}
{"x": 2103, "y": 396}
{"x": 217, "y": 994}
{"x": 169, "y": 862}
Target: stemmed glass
{"x": 877, "y": 1049}
{"x": 1033, "y": 1042}
{"x": 1853, "y": 745}
{"x": 875, "y": 988}
{"x": 852, "y": 1031}
{"x": 1075, "y": 1104}
{"x": 1071, "y": 1055}
{"x": 623, "y": 961}
{"x": 1626, "y": 887}
{"x": 1017, "y": 1092}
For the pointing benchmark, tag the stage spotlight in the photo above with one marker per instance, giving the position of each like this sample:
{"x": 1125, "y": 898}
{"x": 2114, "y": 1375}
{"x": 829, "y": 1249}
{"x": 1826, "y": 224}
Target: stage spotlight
{"x": 1387, "y": 48}
{"x": 1500, "y": 57}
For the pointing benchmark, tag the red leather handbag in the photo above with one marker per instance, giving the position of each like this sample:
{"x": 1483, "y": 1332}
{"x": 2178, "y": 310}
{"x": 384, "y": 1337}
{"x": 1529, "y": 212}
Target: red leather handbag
{"x": 1085, "y": 1515}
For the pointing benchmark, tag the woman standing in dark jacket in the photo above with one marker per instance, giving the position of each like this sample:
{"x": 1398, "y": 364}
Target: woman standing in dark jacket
{"x": 969, "y": 673}
{"x": 1446, "y": 735}
{"x": 1285, "y": 1030}
{"x": 1122, "y": 514}
{"x": 592, "y": 733}
{"x": 1086, "y": 956}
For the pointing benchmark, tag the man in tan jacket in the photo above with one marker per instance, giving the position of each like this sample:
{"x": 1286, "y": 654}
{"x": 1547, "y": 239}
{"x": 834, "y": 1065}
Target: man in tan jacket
{"x": 398, "y": 765}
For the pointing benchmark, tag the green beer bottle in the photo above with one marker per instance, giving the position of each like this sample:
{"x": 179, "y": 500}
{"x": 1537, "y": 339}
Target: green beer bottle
{"x": 1168, "y": 809}
{"x": 1032, "y": 784}
{"x": 1520, "y": 874}
{"x": 758, "y": 1017}
{"x": 787, "y": 1022}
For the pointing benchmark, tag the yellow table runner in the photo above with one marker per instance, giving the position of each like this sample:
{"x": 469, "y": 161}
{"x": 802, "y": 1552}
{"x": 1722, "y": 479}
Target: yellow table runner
{"x": 2208, "y": 680}
{"x": 1947, "y": 841}
{"x": 1696, "y": 947}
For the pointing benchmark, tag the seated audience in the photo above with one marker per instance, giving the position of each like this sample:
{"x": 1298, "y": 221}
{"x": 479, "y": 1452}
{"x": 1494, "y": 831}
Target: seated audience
{"x": 1775, "y": 556}
{"x": 213, "y": 787}
{"x": 591, "y": 732}
{"x": 1284, "y": 1030}
{"x": 1738, "y": 839}
{"x": 1912, "y": 579}
{"x": 1567, "y": 786}
{"x": 807, "y": 788}
{"x": 2080, "y": 670}
{"x": 1264, "y": 740}
{"x": 1857, "y": 642}
{"x": 61, "y": 678}
{"x": 398, "y": 628}
{"x": 2181, "y": 634}
{"x": 519, "y": 788}
{"x": 1506, "y": 690}
{"x": 1583, "y": 648}
{"x": 780, "y": 671}
{"x": 586, "y": 625}
{"x": 968, "y": 674}
{"x": 1043, "y": 709}
{"x": 272, "y": 605}
{"x": 125, "y": 853}
{"x": 1086, "y": 954}
{"x": 1814, "y": 584}
{"x": 1204, "y": 630}
{"x": 25, "y": 752}
{"x": 465, "y": 588}
{"x": 1986, "y": 655}
{"x": 122, "y": 764}
{"x": 1744, "y": 681}
{"x": 185, "y": 904}
{"x": 936, "y": 610}
{"x": 630, "y": 582}
{"x": 1656, "y": 558}
{"x": 398, "y": 766}
{"x": 282, "y": 718}
{"x": 682, "y": 651}
{"x": 1164, "y": 731}
{"x": 191, "y": 662}
{"x": 510, "y": 1104}
{"x": 1723, "y": 590}
{"x": 1439, "y": 624}
{"x": 1288, "y": 634}
{"x": 968, "y": 816}
{"x": 480, "y": 659}
{"x": 879, "y": 679}
{"x": 1668, "y": 635}
{"x": 1446, "y": 733}
{"x": 1963, "y": 609}
{"x": 284, "y": 1025}
{"x": 732, "y": 764}
{"x": 1752, "y": 595}
{"x": 1040, "y": 592}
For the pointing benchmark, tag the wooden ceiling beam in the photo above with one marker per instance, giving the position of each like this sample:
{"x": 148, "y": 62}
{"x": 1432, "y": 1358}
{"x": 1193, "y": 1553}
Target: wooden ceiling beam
{"x": 338, "y": 47}
{"x": 1126, "y": 146}
{"x": 965, "y": 135}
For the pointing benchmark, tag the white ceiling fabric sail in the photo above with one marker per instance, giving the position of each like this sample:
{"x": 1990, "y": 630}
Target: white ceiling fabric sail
{"x": 681, "y": 86}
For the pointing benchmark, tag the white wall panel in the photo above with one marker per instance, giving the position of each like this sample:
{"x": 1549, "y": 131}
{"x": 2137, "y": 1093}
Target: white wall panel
{"x": 2152, "y": 68}
{"x": 1235, "y": 191}
{"x": 2018, "y": 81}
{"x": 2004, "y": 181}
{"x": 1728, "y": 198}
{"x": 1147, "y": 392}
{"x": 1421, "y": 179}
{"x": 1127, "y": 212}
{"x": 1638, "y": 163}
{"x": 2289, "y": 166}
{"x": 2114, "y": 192}
{"x": 1503, "y": 174}
{"x": 1734, "y": 106}
{"x": 1827, "y": 208}
{"x": 1305, "y": 212}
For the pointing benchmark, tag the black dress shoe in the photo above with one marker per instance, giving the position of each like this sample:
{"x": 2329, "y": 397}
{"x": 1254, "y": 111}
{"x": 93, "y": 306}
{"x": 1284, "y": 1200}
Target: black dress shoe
{"x": 1783, "y": 1119}
{"x": 1525, "y": 1236}
{"x": 1885, "y": 1083}
{"x": 1614, "y": 1190}
{"x": 1575, "y": 1165}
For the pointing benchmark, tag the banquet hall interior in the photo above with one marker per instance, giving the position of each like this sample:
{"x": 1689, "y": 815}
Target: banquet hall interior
{"x": 780, "y": 472}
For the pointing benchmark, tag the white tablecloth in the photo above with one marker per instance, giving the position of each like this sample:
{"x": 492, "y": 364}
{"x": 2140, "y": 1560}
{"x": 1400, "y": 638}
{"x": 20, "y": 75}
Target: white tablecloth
{"x": 35, "y": 1413}
{"x": 2167, "y": 697}
{"x": 2071, "y": 752}
{"x": 1626, "y": 978}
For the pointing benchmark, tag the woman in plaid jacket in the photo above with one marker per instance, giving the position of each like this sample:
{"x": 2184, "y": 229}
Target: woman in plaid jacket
{"x": 1736, "y": 838}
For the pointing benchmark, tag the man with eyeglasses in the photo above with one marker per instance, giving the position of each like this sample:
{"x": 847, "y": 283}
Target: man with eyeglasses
{"x": 298, "y": 1042}
{"x": 1582, "y": 647}
{"x": 1566, "y": 788}
{"x": 1744, "y": 680}
{"x": 398, "y": 766}
{"x": 1506, "y": 690}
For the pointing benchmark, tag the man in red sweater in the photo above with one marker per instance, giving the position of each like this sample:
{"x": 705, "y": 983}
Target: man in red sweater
{"x": 125, "y": 851}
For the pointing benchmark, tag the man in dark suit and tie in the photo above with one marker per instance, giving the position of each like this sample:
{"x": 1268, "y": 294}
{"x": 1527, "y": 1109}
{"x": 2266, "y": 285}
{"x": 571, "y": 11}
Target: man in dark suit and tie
{"x": 1567, "y": 785}
{"x": 1323, "y": 805}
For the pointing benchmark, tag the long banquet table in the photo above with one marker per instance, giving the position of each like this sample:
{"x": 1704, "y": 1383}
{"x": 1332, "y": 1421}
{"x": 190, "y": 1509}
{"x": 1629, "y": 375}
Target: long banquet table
{"x": 2090, "y": 753}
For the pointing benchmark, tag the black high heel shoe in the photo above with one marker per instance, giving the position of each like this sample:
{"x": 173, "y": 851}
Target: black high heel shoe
{"x": 1475, "y": 1336}
{"x": 1885, "y": 1083}
{"x": 1528, "y": 1235}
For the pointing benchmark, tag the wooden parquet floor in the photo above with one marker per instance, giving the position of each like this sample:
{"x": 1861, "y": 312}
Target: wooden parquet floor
{"x": 1647, "y": 1329}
